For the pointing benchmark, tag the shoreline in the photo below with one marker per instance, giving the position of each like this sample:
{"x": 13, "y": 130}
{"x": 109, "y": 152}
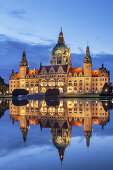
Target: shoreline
{"x": 5, "y": 96}
{"x": 84, "y": 96}
{"x": 63, "y": 96}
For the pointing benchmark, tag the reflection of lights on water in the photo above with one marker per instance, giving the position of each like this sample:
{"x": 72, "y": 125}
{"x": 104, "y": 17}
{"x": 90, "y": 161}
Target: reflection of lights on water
{"x": 59, "y": 137}
{"x": 75, "y": 101}
{"x": 29, "y": 128}
{"x": 32, "y": 104}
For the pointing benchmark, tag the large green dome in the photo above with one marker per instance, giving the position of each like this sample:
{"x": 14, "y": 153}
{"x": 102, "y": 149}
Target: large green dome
{"x": 60, "y": 143}
{"x": 60, "y": 47}
{"x": 61, "y": 53}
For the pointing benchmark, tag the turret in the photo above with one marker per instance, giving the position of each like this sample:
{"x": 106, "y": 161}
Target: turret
{"x": 24, "y": 68}
{"x": 24, "y": 125}
{"x": 61, "y": 38}
{"x": 87, "y": 64}
{"x": 87, "y": 122}
{"x": 87, "y": 71}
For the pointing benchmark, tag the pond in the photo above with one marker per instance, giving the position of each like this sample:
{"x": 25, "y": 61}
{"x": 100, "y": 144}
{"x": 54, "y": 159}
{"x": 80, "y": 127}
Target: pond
{"x": 62, "y": 134}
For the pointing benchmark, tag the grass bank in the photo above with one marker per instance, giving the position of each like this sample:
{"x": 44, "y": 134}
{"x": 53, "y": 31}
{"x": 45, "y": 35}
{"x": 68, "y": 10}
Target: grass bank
{"x": 5, "y": 96}
{"x": 84, "y": 96}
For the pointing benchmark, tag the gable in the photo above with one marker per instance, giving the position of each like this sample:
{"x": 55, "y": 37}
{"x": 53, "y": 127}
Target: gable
{"x": 60, "y": 69}
{"x": 51, "y": 70}
{"x": 43, "y": 71}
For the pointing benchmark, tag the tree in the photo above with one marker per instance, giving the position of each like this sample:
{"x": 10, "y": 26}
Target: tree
{"x": 106, "y": 90}
{"x": 3, "y": 87}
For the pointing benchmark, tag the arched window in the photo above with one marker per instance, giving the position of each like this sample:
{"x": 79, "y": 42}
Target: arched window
{"x": 80, "y": 88}
{"x": 59, "y": 59}
{"x": 51, "y": 110}
{"x": 43, "y": 83}
{"x": 27, "y": 84}
{"x": 70, "y": 83}
{"x": 60, "y": 82}
{"x": 80, "y": 83}
{"x": 32, "y": 84}
{"x": 52, "y": 82}
{"x": 75, "y": 83}
{"x": 75, "y": 88}
{"x": 36, "y": 83}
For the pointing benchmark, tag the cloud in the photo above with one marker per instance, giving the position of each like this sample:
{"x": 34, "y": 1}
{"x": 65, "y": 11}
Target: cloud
{"x": 3, "y": 37}
{"x": 20, "y": 14}
{"x": 11, "y": 54}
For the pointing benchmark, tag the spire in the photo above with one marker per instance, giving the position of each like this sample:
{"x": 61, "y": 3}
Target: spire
{"x": 61, "y": 154}
{"x": 24, "y": 60}
{"x": 61, "y": 30}
{"x": 87, "y": 135}
{"x": 12, "y": 71}
{"x": 61, "y": 38}
{"x": 87, "y": 51}
{"x": 24, "y": 133}
{"x": 87, "y": 44}
{"x": 102, "y": 64}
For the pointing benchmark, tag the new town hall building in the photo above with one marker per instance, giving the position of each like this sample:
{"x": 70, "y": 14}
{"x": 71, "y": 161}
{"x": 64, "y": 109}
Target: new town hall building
{"x": 60, "y": 74}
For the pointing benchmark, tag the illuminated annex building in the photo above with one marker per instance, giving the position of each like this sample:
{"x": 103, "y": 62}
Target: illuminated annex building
{"x": 60, "y": 74}
{"x": 60, "y": 118}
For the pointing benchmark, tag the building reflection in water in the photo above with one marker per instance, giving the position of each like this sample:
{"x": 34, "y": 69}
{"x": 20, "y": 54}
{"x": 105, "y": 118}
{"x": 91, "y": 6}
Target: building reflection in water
{"x": 60, "y": 116}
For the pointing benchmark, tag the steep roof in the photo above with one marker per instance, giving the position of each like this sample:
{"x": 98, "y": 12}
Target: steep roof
{"x": 76, "y": 70}
{"x": 96, "y": 72}
{"x": 33, "y": 72}
{"x": 56, "y": 67}
{"x": 17, "y": 75}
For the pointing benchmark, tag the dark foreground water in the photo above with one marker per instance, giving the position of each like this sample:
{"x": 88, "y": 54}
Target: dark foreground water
{"x": 67, "y": 134}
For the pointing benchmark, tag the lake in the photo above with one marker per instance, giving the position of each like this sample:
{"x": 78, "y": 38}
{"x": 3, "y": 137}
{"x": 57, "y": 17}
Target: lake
{"x": 62, "y": 134}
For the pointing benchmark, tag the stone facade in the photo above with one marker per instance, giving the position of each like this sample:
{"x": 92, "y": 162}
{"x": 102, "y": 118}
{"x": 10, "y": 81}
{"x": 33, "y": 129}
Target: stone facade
{"x": 60, "y": 74}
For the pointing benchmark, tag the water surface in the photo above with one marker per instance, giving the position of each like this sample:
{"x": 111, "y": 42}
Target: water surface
{"x": 65, "y": 134}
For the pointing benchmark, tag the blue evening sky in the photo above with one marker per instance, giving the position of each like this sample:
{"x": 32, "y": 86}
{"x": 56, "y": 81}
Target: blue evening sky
{"x": 34, "y": 25}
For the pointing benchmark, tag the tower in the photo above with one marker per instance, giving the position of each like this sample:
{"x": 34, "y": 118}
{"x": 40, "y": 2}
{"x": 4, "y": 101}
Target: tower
{"x": 87, "y": 121}
{"x": 24, "y": 68}
{"x": 87, "y": 64}
{"x": 24, "y": 125}
{"x": 87, "y": 71}
{"x": 61, "y": 53}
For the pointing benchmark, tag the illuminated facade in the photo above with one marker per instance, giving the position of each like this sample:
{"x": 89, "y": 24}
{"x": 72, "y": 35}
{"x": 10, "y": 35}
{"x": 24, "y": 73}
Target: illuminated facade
{"x": 61, "y": 118}
{"x": 60, "y": 74}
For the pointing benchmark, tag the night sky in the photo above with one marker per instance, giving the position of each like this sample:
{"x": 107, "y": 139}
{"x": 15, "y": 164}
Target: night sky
{"x": 34, "y": 26}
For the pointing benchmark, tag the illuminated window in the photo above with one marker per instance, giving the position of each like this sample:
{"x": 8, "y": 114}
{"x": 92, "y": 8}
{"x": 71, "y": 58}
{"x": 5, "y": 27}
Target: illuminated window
{"x": 60, "y": 83}
{"x": 43, "y": 83}
{"x": 70, "y": 83}
{"x": 52, "y": 82}
{"x": 59, "y": 59}
{"x": 75, "y": 83}
{"x": 36, "y": 83}
{"x": 27, "y": 84}
{"x": 32, "y": 84}
{"x": 80, "y": 83}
